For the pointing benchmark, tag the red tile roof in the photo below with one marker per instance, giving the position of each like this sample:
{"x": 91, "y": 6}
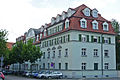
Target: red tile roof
{"x": 9, "y": 45}
{"x": 75, "y": 22}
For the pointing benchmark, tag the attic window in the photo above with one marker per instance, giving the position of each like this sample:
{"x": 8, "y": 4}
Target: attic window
{"x": 86, "y": 12}
{"x": 105, "y": 26}
{"x": 95, "y": 13}
{"x": 83, "y": 23}
{"x": 95, "y": 24}
{"x": 66, "y": 24}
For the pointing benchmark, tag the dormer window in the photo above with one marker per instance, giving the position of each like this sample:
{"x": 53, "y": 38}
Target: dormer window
{"x": 40, "y": 35}
{"x": 105, "y": 26}
{"x": 44, "y": 32}
{"x": 63, "y": 15}
{"x": 37, "y": 37}
{"x": 41, "y": 30}
{"x": 95, "y": 24}
{"x": 58, "y": 18}
{"x": 83, "y": 23}
{"x": 95, "y": 13}
{"x": 52, "y": 20}
{"x": 86, "y": 12}
{"x": 66, "y": 24}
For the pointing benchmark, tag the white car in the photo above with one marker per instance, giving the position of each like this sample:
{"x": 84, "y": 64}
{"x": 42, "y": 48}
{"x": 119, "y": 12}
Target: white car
{"x": 57, "y": 75}
{"x": 41, "y": 75}
{"x": 50, "y": 74}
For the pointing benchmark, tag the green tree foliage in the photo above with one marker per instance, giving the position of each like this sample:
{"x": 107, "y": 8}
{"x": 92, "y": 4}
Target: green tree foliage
{"x": 115, "y": 25}
{"x": 3, "y": 39}
{"x": 24, "y": 52}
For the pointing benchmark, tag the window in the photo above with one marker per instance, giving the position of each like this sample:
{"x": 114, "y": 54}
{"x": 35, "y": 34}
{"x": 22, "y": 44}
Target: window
{"x": 48, "y": 65}
{"x": 106, "y": 53}
{"x": 83, "y": 66}
{"x": 106, "y": 40}
{"x": 53, "y": 54}
{"x": 37, "y": 37}
{"x": 106, "y": 65}
{"x": 83, "y": 52}
{"x": 95, "y": 52}
{"x": 95, "y": 24}
{"x": 59, "y": 55}
{"x": 95, "y": 66}
{"x": 83, "y": 23}
{"x": 67, "y": 38}
{"x": 84, "y": 38}
{"x": 48, "y": 55}
{"x": 86, "y": 12}
{"x": 66, "y": 52}
{"x": 44, "y": 55}
{"x": 66, "y": 24}
{"x": 105, "y": 26}
{"x": 95, "y": 13}
{"x": 59, "y": 65}
{"x": 43, "y": 65}
{"x": 95, "y": 39}
{"x": 66, "y": 66}
{"x": 45, "y": 32}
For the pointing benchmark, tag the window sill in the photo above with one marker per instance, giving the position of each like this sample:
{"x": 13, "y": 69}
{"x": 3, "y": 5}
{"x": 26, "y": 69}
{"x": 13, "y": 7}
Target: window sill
{"x": 106, "y": 56}
{"x": 95, "y": 56}
{"x": 83, "y": 55}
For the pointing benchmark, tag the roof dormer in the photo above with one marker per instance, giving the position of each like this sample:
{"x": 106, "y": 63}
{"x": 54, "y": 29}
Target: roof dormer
{"x": 58, "y": 18}
{"x": 63, "y": 15}
{"x": 70, "y": 12}
{"x": 52, "y": 20}
{"x": 42, "y": 28}
{"x": 86, "y": 12}
{"x": 95, "y": 13}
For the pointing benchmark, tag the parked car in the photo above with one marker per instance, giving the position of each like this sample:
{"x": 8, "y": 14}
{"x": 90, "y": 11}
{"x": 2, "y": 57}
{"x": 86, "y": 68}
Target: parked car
{"x": 53, "y": 74}
{"x": 2, "y": 76}
{"x": 57, "y": 75}
{"x": 41, "y": 75}
{"x": 28, "y": 74}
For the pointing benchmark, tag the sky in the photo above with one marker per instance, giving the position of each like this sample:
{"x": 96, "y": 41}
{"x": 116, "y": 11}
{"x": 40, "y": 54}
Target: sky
{"x": 18, "y": 16}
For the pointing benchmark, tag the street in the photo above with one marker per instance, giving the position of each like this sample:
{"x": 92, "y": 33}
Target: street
{"x": 11, "y": 77}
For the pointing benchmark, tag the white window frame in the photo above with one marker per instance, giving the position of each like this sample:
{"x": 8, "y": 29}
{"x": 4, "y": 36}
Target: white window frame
{"x": 86, "y": 12}
{"x": 45, "y": 32}
{"x": 95, "y": 38}
{"x": 106, "y": 40}
{"x": 66, "y": 24}
{"x": 81, "y": 23}
{"x": 105, "y": 24}
{"x": 84, "y": 38}
{"x": 95, "y": 51}
{"x": 106, "y": 66}
{"x": 83, "y": 52}
{"x": 83, "y": 67}
{"x": 106, "y": 52}
{"x": 95, "y": 27}
{"x": 95, "y": 13}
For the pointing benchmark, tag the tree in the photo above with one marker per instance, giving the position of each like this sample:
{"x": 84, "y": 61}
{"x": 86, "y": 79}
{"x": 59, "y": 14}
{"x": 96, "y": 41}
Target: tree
{"x": 24, "y": 52}
{"x": 3, "y": 39}
{"x": 115, "y": 25}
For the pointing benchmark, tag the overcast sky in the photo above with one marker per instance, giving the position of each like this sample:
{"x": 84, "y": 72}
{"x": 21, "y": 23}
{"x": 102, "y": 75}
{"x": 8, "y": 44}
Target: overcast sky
{"x": 17, "y": 16}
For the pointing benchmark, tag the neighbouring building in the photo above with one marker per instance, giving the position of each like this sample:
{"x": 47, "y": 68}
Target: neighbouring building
{"x": 79, "y": 43}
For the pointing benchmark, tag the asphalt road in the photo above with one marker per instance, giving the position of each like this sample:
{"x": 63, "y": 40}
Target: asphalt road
{"x": 11, "y": 77}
